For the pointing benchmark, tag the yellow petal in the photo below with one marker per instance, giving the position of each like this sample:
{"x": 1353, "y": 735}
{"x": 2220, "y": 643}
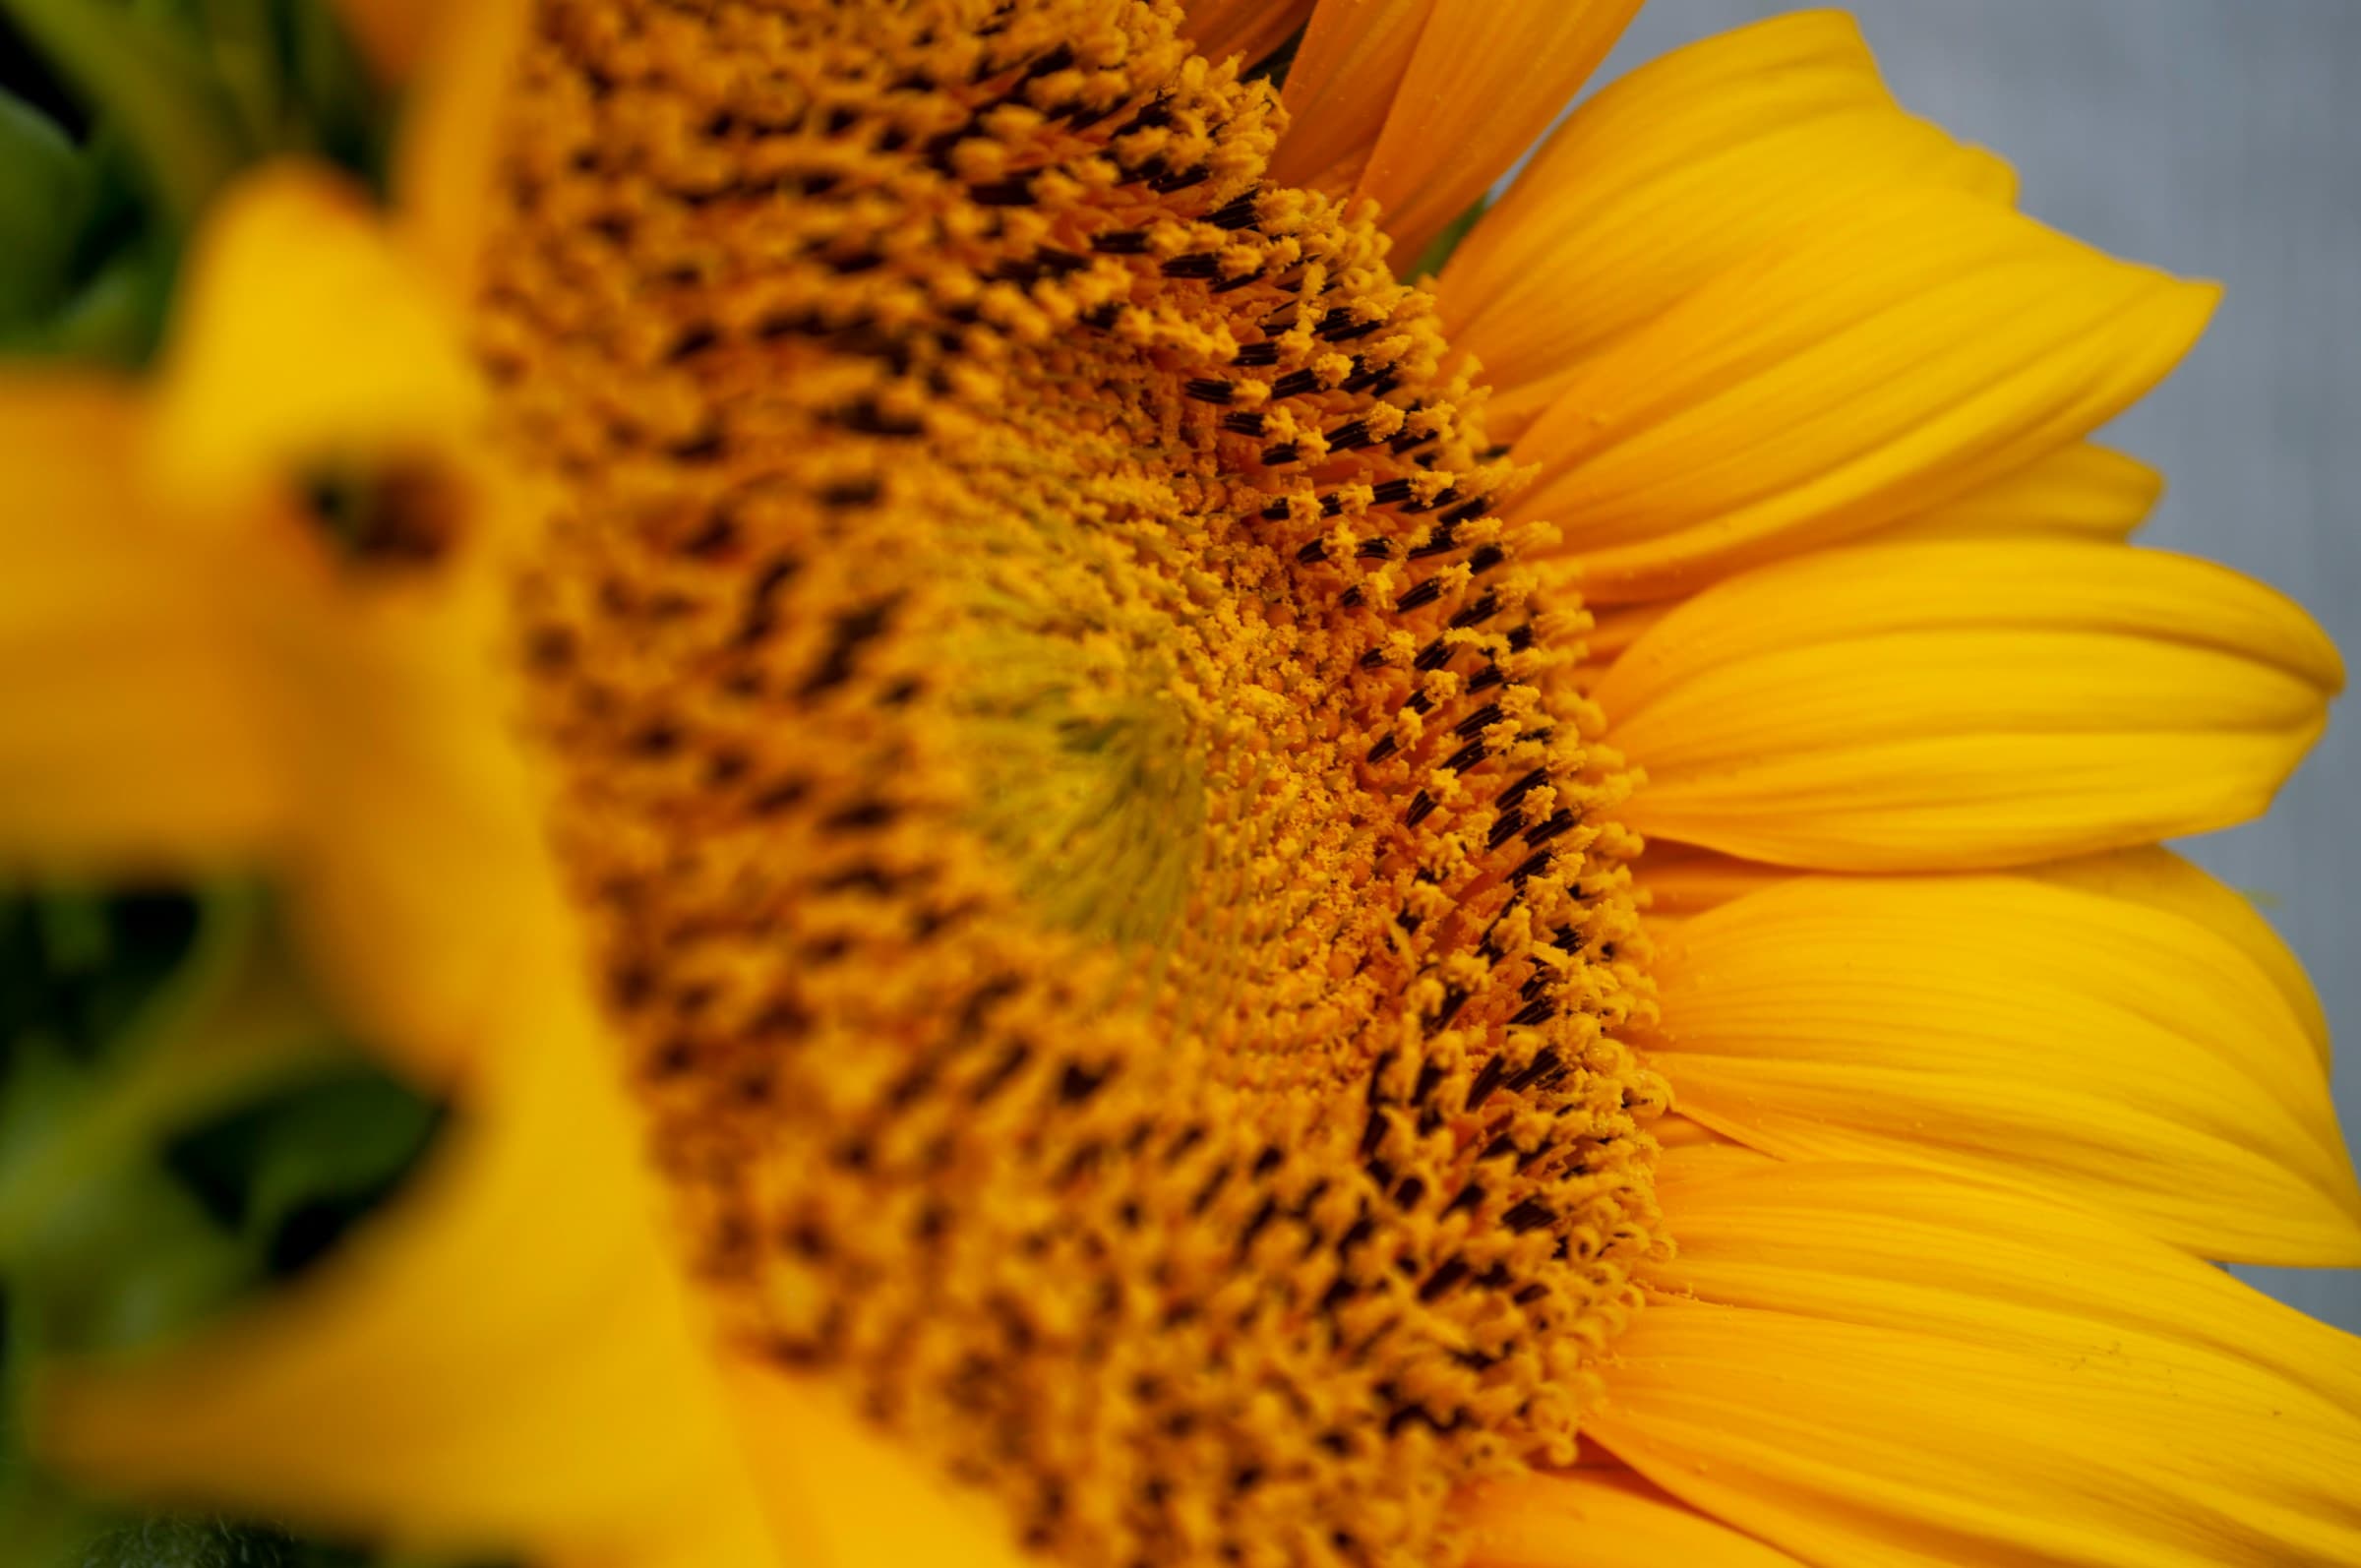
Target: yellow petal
{"x": 1247, "y": 28}
{"x": 197, "y": 690}
{"x": 451, "y": 58}
{"x": 136, "y": 736}
{"x": 1677, "y": 1131}
{"x": 1618, "y": 626}
{"x": 504, "y": 1359}
{"x": 2117, "y": 1056}
{"x": 1599, "y": 1519}
{"x": 415, "y": 862}
{"x": 443, "y": 162}
{"x": 1680, "y": 880}
{"x": 1669, "y": 176}
{"x": 1909, "y": 347}
{"x": 302, "y": 335}
{"x": 1853, "y": 1445}
{"x": 2083, "y": 491}
{"x": 1904, "y": 1248}
{"x": 1487, "y": 77}
{"x": 1342, "y": 86}
{"x": 2160, "y": 879}
{"x": 1968, "y": 703}
{"x": 393, "y": 35}
{"x": 848, "y": 1497}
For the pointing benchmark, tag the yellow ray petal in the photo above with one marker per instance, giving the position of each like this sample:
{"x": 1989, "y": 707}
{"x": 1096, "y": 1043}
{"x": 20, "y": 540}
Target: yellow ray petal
{"x": 1915, "y": 1249}
{"x": 2160, "y": 879}
{"x": 1341, "y": 87}
{"x": 1677, "y": 1131}
{"x": 1247, "y": 28}
{"x": 134, "y": 734}
{"x": 502, "y": 1359}
{"x": 1968, "y": 703}
{"x": 442, "y": 164}
{"x": 393, "y": 35}
{"x": 1900, "y": 352}
{"x": 1850, "y": 1444}
{"x": 1681, "y": 879}
{"x": 415, "y": 863}
{"x": 1616, "y": 628}
{"x": 2081, "y": 490}
{"x": 196, "y": 690}
{"x": 1601, "y": 1519}
{"x": 1671, "y": 175}
{"x": 847, "y": 1496}
{"x": 302, "y": 335}
{"x": 1487, "y": 77}
{"x": 2117, "y": 1056}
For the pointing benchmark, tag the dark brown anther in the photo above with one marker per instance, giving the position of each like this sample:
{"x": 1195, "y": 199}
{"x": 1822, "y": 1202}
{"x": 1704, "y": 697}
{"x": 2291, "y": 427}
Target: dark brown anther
{"x": 1533, "y": 1014}
{"x": 1483, "y": 610}
{"x": 1477, "y": 722}
{"x": 1421, "y": 596}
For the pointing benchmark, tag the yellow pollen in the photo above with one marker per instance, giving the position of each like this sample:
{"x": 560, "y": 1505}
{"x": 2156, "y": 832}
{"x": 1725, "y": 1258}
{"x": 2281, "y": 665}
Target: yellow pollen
{"x": 1117, "y": 919}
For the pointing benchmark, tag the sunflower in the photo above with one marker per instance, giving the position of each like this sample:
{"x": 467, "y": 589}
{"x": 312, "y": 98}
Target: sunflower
{"x": 1125, "y": 836}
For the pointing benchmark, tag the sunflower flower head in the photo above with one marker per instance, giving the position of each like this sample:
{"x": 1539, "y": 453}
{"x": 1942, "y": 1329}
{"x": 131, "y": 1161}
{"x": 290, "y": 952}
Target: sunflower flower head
{"x": 926, "y": 665}
{"x": 1250, "y": 915}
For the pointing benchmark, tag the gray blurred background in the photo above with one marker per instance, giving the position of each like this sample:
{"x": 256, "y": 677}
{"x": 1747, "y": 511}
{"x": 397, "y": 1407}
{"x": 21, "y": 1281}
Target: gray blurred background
{"x": 2216, "y": 139}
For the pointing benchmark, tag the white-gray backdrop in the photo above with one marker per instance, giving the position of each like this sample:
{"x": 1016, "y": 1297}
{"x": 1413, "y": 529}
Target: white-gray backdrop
{"x": 2216, "y": 139}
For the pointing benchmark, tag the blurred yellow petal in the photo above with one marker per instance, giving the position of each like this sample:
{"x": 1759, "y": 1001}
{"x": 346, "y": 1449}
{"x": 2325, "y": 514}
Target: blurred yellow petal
{"x": 2083, "y": 491}
{"x": 1850, "y": 1443}
{"x": 135, "y": 737}
{"x": 1970, "y": 704}
{"x": 1908, "y": 1248}
{"x": 2117, "y": 1056}
{"x": 1487, "y": 77}
{"x": 502, "y": 1359}
{"x": 1342, "y": 86}
{"x": 1900, "y": 352}
{"x": 2158, "y": 878}
{"x": 1671, "y": 174}
{"x": 393, "y": 36}
{"x": 1247, "y": 28}
{"x": 302, "y": 335}
{"x": 196, "y": 691}
{"x": 843, "y": 1495}
{"x": 416, "y": 865}
{"x": 1609, "y": 1518}
{"x": 442, "y": 164}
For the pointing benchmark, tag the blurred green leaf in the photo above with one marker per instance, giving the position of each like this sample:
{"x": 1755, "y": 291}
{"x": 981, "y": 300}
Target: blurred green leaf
{"x": 180, "y": 1127}
{"x": 44, "y": 193}
{"x": 147, "y": 76}
{"x": 241, "y": 39}
{"x": 293, "y": 1172}
{"x": 351, "y": 119}
{"x": 116, "y": 317}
